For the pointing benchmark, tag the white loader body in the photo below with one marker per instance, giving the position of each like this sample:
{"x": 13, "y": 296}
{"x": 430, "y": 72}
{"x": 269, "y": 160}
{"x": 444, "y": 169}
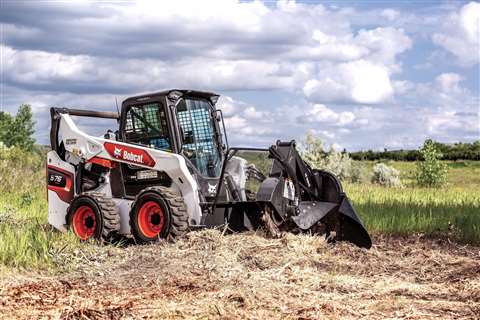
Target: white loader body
{"x": 80, "y": 146}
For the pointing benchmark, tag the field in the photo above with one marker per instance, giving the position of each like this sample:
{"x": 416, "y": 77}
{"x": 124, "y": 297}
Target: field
{"x": 452, "y": 211}
{"x": 424, "y": 263}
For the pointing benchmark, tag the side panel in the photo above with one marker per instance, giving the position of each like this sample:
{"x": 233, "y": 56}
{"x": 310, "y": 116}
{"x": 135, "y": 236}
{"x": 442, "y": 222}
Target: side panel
{"x": 60, "y": 185}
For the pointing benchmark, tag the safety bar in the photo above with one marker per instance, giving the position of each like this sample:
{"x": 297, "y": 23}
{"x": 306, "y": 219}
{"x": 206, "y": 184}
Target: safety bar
{"x": 88, "y": 113}
{"x": 228, "y": 155}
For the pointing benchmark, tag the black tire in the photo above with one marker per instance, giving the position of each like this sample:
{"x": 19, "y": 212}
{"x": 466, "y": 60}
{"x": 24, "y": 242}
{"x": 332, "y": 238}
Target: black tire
{"x": 174, "y": 211}
{"x": 105, "y": 215}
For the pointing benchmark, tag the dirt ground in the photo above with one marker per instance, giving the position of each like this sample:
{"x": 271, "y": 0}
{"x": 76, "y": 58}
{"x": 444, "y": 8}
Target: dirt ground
{"x": 207, "y": 275}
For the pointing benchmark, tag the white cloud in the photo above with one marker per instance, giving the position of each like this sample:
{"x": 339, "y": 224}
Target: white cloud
{"x": 29, "y": 66}
{"x": 385, "y": 44}
{"x": 401, "y": 87}
{"x": 449, "y": 82}
{"x": 54, "y": 71}
{"x": 444, "y": 93}
{"x": 366, "y": 80}
{"x": 252, "y": 113}
{"x": 227, "y": 105}
{"x": 390, "y": 14}
{"x": 219, "y": 44}
{"x": 359, "y": 82}
{"x": 324, "y": 133}
{"x": 460, "y": 34}
{"x": 444, "y": 123}
{"x": 236, "y": 123}
{"x": 245, "y": 123}
{"x": 322, "y": 114}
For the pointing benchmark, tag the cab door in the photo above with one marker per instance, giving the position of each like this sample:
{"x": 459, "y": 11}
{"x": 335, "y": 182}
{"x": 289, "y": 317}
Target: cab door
{"x": 145, "y": 124}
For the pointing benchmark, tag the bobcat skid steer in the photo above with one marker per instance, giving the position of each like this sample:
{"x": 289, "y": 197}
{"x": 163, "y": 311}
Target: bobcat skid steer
{"x": 168, "y": 169}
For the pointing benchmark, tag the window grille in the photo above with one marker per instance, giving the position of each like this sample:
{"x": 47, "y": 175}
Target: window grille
{"x": 196, "y": 122}
{"x": 147, "y": 125}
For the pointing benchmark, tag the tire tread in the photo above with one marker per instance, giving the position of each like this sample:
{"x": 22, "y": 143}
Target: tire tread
{"x": 177, "y": 208}
{"x": 109, "y": 212}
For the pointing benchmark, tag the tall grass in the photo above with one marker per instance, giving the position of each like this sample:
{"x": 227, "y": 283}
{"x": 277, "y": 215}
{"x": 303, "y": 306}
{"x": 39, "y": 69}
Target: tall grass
{"x": 451, "y": 211}
{"x": 26, "y": 238}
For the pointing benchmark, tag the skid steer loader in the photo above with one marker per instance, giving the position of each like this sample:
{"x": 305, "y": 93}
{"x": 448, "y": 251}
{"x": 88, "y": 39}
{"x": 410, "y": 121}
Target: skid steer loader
{"x": 168, "y": 169}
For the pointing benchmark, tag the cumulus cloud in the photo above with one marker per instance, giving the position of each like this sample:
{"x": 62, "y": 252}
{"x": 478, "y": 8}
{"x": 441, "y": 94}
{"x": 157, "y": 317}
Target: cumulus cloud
{"x": 82, "y": 73}
{"x": 460, "y": 34}
{"x": 246, "y": 123}
{"x": 385, "y": 44}
{"x": 366, "y": 80}
{"x": 228, "y": 105}
{"x": 218, "y": 45}
{"x": 390, "y": 14}
{"x": 360, "y": 81}
{"x": 444, "y": 123}
{"x": 320, "y": 113}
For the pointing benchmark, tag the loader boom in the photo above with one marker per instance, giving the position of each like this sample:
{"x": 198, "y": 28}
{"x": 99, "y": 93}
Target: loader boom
{"x": 317, "y": 201}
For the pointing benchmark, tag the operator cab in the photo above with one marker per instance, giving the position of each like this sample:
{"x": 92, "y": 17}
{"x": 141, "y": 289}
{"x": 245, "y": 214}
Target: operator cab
{"x": 180, "y": 121}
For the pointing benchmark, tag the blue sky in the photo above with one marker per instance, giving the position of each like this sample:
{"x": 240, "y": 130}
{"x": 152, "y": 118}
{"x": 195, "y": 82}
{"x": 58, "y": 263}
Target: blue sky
{"x": 360, "y": 75}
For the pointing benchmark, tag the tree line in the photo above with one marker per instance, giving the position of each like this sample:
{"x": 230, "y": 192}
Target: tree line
{"x": 454, "y": 151}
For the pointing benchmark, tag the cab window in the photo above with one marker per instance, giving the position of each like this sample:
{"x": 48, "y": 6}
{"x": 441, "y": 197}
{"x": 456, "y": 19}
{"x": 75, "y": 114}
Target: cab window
{"x": 147, "y": 125}
{"x": 199, "y": 144}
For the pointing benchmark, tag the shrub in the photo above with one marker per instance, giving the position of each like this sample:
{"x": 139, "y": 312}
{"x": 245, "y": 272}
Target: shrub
{"x": 431, "y": 172}
{"x": 359, "y": 173}
{"x": 20, "y": 170}
{"x": 339, "y": 163}
{"x": 386, "y": 176}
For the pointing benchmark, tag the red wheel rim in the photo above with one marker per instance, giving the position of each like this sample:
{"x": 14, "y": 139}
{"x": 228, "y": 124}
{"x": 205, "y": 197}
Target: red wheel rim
{"x": 150, "y": 219}
{"x": 84, "y": 222}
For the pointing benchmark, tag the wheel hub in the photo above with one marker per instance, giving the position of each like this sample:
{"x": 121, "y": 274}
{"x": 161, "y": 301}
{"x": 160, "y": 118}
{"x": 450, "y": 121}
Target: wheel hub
{"x": 84, "y": 222}
{"x": 151, "y": 219}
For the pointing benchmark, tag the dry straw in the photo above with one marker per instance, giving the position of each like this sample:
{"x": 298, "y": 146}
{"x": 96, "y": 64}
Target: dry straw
{"x": 208, "y": 275}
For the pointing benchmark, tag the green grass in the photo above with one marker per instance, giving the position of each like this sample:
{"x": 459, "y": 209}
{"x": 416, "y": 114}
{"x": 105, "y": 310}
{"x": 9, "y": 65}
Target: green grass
{"x": 26, "y": 238}
{"x": 450, "y": 211}
{"x": 453, "y": 210}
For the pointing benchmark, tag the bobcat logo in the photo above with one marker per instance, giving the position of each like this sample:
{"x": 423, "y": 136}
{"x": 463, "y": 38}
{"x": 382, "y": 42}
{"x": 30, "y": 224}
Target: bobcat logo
{"x": 117, "y": 152}
{"x": 212, "y": 188}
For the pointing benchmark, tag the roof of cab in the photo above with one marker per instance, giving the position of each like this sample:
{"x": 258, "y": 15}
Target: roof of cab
{"x": 192, "y": 93}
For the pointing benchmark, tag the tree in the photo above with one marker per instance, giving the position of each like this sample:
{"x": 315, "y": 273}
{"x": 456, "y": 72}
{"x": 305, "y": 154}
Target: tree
{"x": 18, "y": 130}
{"x": 431, "y": 172}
